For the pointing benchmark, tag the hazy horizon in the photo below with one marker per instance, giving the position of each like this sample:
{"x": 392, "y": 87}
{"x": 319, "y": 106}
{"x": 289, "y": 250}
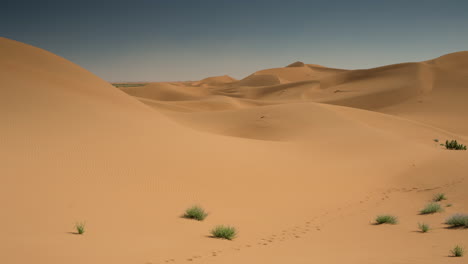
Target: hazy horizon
{"x": 186, "y": 40}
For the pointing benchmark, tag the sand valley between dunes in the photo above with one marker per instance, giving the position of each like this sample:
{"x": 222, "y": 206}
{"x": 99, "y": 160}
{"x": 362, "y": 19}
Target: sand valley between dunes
{"x": 299, "y": 159}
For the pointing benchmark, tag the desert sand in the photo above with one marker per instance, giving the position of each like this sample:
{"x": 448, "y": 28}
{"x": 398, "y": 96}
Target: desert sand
{"x": 300, "y": 159}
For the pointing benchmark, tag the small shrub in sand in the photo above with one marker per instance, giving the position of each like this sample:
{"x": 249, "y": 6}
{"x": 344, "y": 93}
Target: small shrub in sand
{"x": 386, "y": 219}
{"x": 458, "y": 220}
{"x": 449, "y": 205}
{"x": 453, "y": 144}
{"x": 431, "y": 208}
{"x": 80, "y": 228}
{"x": 195, "y": 212}
{"x": 439, "y": 197}
{"x": 423, "y": 227}
{"x": 225, "y": 232}
{"x": 457, "y": 251}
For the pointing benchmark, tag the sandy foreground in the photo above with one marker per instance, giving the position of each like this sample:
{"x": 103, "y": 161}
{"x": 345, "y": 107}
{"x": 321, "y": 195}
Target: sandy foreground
{"x": 299, "y": 159}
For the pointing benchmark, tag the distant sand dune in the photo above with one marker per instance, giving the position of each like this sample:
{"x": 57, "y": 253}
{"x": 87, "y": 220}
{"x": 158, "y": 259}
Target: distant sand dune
{"x": 379, "y": 87}
{"x": 217, "y": 80}
{"x": 166, "y": 92}
{"x": 296, "y": 64}
{"x": 306, "y": 122}
{"x": 294, "y": 74}
{"x": 258, "y": 79}
{"x": 419, "y": 91}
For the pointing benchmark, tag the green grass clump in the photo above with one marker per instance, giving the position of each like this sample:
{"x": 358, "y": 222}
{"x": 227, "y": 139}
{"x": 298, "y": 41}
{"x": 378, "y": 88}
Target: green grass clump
{"x": 226, "y": 232}
{"x": 386, "y": 219}
{"x": 431, "y": 208}
{"x": 458, "y": 220}
{"x": 449, "y": 205}
{"x": 439, "y": 197}
{"x": 453, "y": 144}
{"x": 423, "y": 227}
{"x": 195, "y": 212}
{"x": 436, "y": 140}
{"x": 457, "y": 251}
{"x": 80, "y": 227}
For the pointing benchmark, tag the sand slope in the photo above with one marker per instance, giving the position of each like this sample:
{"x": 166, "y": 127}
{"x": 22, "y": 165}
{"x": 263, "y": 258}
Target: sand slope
{"x": 446, "y": 105}
{"x": 299, "y": 169}
{"x": 217, "y": 80}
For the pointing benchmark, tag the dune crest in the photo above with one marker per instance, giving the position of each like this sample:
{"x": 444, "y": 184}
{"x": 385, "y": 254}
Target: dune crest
{"x": 217, "y": 80}
{"x": 296, "y": 64}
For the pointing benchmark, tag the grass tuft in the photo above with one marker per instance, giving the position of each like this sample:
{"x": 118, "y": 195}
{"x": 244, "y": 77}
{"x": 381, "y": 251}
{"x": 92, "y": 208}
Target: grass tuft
{"x": 457, "y": 251}
{"x": 195, "y": 212}
{"x": 453, "y": 144}
{"x": 423, "y": 227}
{"x": 449, "y": 205}
{"x": 80, "y": 227}
{"x": 225, "y": 232}
{"x": 386, "y": 219}
{"x": 439, "y": 197}
{"x": 431, "y": 208}
{"x": 458, "y": 220}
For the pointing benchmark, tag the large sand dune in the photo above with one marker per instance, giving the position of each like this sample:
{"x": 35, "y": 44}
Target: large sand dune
{"x": 299, "y": 159}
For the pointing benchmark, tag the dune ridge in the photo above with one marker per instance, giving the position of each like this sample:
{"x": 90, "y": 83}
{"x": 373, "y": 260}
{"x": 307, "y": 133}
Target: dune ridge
{"x": 415, "y": 90}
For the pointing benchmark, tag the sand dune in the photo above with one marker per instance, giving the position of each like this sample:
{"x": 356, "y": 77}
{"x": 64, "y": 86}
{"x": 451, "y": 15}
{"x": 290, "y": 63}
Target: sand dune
{"x": 294, "y": 73}
{"x": 445, "y": 106}
{"x": 296, "y": 64}
{"x": 457, "y": 61}
{"x": 217, "y": 80}
{"x": 299, "y": 159}
{"x": 309, "y": 122}
{"x": 166, "y": 92}
{"x": 376, "y": 88}
{"x": 261, "y": 80}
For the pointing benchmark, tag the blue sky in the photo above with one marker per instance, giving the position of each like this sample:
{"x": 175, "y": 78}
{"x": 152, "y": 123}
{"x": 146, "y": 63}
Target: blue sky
{"x": 155, "y": 40}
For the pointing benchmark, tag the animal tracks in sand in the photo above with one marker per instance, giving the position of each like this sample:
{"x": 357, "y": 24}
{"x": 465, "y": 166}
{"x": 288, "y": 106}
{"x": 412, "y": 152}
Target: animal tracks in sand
{"x": 314, "y": 224}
